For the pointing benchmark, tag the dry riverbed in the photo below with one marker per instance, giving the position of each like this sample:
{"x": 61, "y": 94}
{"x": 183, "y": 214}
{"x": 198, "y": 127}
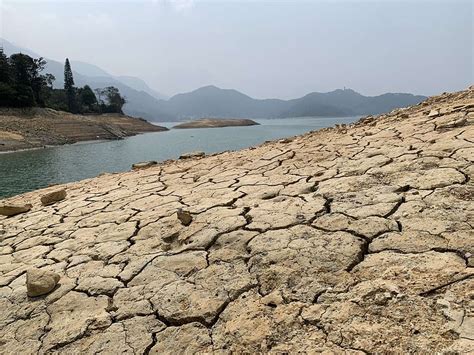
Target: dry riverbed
{"x": 356, "y": 239}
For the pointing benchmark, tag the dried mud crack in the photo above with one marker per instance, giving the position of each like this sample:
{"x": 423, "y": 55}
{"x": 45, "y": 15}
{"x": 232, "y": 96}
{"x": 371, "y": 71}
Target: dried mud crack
{"x": 354, "y": 239}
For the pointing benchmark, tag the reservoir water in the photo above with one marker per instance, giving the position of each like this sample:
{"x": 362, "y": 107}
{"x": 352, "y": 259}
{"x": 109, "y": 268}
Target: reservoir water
{"x": 29, "y": 170}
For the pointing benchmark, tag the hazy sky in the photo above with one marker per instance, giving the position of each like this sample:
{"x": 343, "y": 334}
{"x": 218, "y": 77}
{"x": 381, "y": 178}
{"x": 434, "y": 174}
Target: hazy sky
{"x": 281, "y": 49}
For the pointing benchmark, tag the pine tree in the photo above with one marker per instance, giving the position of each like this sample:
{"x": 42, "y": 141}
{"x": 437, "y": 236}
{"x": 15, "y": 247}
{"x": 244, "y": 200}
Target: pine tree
{"x": 69, "y": 86}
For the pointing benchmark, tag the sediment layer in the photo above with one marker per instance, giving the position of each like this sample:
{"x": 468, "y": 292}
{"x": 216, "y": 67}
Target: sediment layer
{"x": 355, "y": 239}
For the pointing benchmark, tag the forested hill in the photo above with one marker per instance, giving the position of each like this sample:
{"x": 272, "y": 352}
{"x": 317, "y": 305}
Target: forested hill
{"x": 142, "y": 101}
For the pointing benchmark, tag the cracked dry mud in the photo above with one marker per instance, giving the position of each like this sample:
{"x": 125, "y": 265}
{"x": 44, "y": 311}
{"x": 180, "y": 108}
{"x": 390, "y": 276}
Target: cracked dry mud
{"x": 355, "y": 239}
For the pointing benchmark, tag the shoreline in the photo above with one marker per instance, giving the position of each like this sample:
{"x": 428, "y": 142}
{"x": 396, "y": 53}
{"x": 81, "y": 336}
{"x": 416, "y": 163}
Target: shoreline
{"x": 163, "y": 162}
{"x": 60, "y": 145}
{"x": 26, "y": 187}
{"x": 41, "y": 128}
{"x": 170, "y": 123}
{"x": 90, "y": 141}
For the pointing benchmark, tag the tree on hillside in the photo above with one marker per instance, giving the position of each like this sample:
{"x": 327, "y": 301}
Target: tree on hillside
{"x": 87, "y": 99}
{"x": 38, "y": 81}
{"x": 100, "y": 94}
{"x": 7, "y": 92}
{"x": 5, "y": 72}
{"x": 22, "y": 67}
{"x": 116, "y": 101}
{"x": 69, "y": 86}
{"x": 22, "y": 83}
{"x": 113, "y": 102}
{"x": 49, "y": 79}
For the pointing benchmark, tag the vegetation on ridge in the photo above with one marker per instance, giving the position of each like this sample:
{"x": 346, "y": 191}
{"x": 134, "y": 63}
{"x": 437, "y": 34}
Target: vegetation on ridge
{"x": 22, "y": 84}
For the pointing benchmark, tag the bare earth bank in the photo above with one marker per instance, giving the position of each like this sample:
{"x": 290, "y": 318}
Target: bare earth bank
{"x": 356, "y": 239}
{"x": 38, "y": 127}
{"x": 217, "y": 122}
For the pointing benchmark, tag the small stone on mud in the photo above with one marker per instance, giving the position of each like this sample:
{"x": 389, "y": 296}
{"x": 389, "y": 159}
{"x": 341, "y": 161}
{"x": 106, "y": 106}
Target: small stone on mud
{"x": 40, "y": 282}
{"x": 192, "y": 155}
{"x": 12, "y": 210}
{"x": 184, "y": 217}
{"x": 53, "y": 197}
{"x": 143, "y": 165}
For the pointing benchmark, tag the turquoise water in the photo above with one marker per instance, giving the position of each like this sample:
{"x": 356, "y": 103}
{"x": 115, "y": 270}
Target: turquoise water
{"x": 33, "y": 169}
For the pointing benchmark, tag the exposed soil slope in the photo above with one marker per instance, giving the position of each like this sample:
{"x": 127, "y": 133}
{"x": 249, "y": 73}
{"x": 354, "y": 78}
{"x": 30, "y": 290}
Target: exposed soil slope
{"x": 33, "y": 128}
{"x": 217, "y": 122}
{"x": 357, "y": 239}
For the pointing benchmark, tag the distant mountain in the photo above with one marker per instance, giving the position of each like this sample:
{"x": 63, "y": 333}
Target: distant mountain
{"x": 142, "y": 101}
{"x": 88, "y": 69}
{"x": 140, "y": 85}
{"x": 211, "y": 101}
{"x": 347, "y": 102}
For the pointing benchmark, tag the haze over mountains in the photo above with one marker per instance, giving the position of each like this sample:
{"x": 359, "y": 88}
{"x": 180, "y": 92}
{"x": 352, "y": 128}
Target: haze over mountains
{"x": 211, "y": 101}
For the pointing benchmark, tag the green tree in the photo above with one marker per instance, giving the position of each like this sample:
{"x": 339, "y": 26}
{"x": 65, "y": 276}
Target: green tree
{"x": 115, "y": 101}
{"x": 7, "y": 92}
{"x": 5, "y": 70}
{"x": 69, "y": 86}
{"x": 57, "y": 100}
{"x": 22, "y": 67}
{"x": 30, "y": 85}
{"x": 49, "y": 79}
{"x": 88, "y": 99}
{"x": 38, "y": 81}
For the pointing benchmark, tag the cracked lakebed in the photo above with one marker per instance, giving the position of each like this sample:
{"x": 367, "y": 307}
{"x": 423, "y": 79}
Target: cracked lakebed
{"x": 354, "y": 239}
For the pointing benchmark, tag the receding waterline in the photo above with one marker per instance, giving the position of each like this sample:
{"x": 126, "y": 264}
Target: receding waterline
{"x": 32, "y": 169}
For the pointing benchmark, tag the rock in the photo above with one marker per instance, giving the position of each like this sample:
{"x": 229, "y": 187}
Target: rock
{"x": 272, "y": 300}
{"x": 184, "y": 217}
{"x": 433, "y": 113}
{"x": 144, "y": 165}
{"x": 451, "y": 122}
{"x": 40, "y": 282}
{"x": 192, "y": 155}
{"x": 12, "y": 210}
{"x": 53, "y": 197}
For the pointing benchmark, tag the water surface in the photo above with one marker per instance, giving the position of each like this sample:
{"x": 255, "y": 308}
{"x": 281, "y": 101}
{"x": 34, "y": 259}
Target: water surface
{"x": 33, "y": 169}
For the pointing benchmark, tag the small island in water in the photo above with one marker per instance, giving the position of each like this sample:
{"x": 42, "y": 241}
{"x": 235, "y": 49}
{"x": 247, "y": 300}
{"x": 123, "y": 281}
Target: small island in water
{"x": 217, "y": 122}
